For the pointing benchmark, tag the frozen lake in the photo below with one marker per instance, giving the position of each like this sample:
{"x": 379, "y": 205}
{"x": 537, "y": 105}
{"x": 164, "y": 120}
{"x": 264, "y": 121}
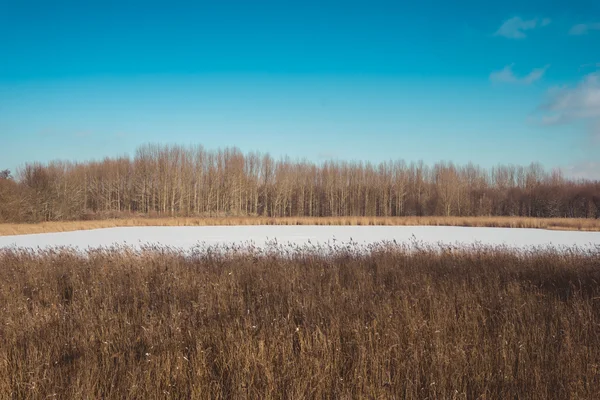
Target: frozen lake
{"x": 190, "y": 236}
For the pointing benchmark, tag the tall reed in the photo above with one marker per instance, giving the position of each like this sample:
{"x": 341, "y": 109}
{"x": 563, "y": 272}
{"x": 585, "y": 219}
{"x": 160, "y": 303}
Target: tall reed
{"x": 391, "y": 323}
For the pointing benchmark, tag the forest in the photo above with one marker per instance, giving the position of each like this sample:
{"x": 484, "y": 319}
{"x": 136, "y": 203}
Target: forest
{"x": 173, "y": 180}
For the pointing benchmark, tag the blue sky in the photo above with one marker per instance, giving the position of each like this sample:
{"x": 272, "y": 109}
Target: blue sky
{"x": 511, "y": 82}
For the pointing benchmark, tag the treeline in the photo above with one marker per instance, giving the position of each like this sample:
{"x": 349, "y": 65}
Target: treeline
{"x": 177, "y": 180}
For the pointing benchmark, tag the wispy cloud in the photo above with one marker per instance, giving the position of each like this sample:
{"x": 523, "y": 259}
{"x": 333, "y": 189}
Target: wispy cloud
{"x": 507, "y": 75}
{"x": 567, "y": 105}
{"x": 516, "y": 27}
{"x": 595, "y": 130}
{"x": 571, "y": 103}
{"x": 589, "y": 65}
{"x": 583, "y": 29}
{"x": 326, "y": 155}
{"x": 583, "y": 170}
{"x": 46, "y": 132}
{"x": 82, "y": 134}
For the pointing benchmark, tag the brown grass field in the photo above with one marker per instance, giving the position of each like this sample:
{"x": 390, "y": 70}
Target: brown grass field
{"x": 580, "y": 224}
{"x": 391, "y": 324}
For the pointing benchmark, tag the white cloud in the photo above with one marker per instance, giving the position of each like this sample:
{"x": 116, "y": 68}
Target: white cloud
{"x": 583, "y": 29}
{"x": 515, "y": 27}
{"x": 575, "y": 104}
{"x": 82, "y": 134}
{"x": 581, "y": 102}
{"x": 584, "y": 170}
{"x": 507, "y": 75}
{"x": 551, "y": 120}
{"x": 589, "y": 65}
{"x": 595, "y": 130}
{"x": 326, "y": 155}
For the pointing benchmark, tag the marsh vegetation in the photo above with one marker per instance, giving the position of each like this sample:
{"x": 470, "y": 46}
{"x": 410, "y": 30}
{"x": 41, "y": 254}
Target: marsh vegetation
{"x": 393, "y": 322}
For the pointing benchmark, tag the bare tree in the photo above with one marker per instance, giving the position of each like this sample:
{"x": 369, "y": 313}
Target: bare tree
{"x": 176, "y": 180}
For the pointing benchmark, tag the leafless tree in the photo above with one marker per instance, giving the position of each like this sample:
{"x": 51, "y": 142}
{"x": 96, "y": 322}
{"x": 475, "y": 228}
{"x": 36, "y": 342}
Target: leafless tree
{"x": 178, "y": 180}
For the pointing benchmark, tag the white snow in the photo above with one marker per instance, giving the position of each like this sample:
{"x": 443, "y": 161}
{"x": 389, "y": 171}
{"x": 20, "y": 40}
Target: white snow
{"x": 260, "y": 236}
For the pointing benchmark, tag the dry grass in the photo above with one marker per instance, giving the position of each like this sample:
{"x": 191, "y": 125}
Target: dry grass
{"x": 487, "y": 324}
{"x": 500, "y": 222}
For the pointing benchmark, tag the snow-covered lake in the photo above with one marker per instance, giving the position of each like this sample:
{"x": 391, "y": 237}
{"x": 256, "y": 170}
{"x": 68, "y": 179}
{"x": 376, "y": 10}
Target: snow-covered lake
{"x": 260, "y": 236}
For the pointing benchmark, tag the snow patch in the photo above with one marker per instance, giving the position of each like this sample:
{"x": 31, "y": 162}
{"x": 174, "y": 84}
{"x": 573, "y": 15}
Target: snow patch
{"x": 189, "y": 237}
